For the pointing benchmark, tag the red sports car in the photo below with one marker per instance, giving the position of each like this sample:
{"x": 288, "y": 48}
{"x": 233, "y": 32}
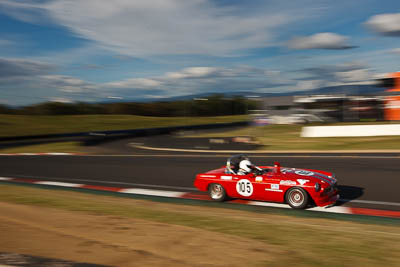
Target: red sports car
{"x": 296, "y": 187}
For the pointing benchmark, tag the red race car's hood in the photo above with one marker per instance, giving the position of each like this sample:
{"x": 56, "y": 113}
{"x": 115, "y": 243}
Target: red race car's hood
{"x": 306, "y": 175}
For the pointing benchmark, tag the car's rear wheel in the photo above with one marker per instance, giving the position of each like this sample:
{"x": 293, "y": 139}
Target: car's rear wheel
{"x": 217, "y": 192}
{"x": 297, "y": 198}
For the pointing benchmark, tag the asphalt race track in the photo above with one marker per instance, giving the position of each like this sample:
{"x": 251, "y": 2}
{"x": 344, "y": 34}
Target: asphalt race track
{"x": 365, "y": 181}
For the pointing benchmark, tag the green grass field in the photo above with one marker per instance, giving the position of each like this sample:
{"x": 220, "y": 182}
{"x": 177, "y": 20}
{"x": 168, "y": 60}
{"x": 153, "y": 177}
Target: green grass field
{"x": 20, "y": 125}
{"x": 272, "y": 137}
{"x": 287, "y": 137}
{"x": 294, "y": 240}
{"x": 60, "y": 147}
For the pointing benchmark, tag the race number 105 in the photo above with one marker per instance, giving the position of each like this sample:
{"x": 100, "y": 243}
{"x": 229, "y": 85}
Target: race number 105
{"x": 244, "y": 187}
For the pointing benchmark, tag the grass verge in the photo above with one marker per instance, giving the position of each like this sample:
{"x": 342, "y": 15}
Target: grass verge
{"x": 20, "y": 125}
{"x": 59, "y": 147}
{"x": 296, "y": 240}
{"x": 287, "y": 137}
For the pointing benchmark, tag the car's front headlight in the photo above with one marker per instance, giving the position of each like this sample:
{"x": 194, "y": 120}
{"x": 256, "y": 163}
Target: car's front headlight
{"x": 317, "y": 187}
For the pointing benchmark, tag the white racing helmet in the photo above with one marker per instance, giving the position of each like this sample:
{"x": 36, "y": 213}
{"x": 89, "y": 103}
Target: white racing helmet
{"x": 245, "y": 165}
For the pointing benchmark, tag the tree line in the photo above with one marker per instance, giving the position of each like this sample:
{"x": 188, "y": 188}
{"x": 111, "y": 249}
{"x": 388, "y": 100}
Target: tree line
{"x": 216, "y": 105}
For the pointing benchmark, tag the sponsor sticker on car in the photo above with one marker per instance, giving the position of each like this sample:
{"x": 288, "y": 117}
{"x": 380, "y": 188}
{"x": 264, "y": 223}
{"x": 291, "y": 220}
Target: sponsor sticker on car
{"x": 298, "y": 172}
{"x": 275, "y": 186}
{"x": 304, "y": 173}
{"x": 287, "y": 182}
{"x": 302, "y": 181}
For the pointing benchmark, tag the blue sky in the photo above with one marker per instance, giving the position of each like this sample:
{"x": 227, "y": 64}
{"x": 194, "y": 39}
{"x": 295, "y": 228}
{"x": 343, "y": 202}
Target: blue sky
{"x": 73, "y": 50}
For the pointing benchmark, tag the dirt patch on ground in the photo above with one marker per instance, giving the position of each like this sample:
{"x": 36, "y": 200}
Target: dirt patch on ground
{"x": 120, "y": 231}
{"x": 119, "y": 241}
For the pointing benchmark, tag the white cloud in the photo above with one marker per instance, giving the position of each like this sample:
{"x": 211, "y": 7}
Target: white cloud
{"x": 66, "y": 84}
{"x": 350, "y": 66}
{"x": 34, "y": 80}
{"x": 135, "y": 83}
{"x": 4, "y": 42}
{"x": 349, "y": 73}
{"x": 27, "y": 81}
{"x": 28, "y": 11}
{"x": 60, "y": 100}
{"x": 14, "y": 67}
{"x": 238, "y": 79}
{"x": 329, "y": 72}
{"x": 385, "y": 24}
{"x": 199, "y": 72}
{"x": 308, "y": 85}
{"x": 198, "y": 79}
{"x": 160, "y": 27}
{"x": 187, "y": 81}
{"x": 353, "y": 75}
{"x": 395, "y": 51}
{"x": 325, "y": 40}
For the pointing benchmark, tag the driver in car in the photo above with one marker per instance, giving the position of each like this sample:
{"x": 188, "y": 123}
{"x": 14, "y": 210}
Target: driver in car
{"x": 246, "y": 167}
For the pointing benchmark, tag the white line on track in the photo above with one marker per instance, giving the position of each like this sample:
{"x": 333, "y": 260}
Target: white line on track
{"x": 334, "y": 209}
{"x": 371, "y": 202}
{"x": 149, "y": 192}
{"x": 268, "y": 204}
{"x": 59, "y": 154}
{"x": 253, "y": 156}
{"x": 58, "y": 184}
{"x": 384, "y": 203}
{"x": 101, "y": 182}
{"x": 135, "y": 145}
{"x": 159, "y": 155}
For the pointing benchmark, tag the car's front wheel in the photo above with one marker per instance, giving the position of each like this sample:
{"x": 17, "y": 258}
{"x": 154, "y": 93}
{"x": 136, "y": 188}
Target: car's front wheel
{"x": 297, "y": 198}
{"x": 217, "y": 192}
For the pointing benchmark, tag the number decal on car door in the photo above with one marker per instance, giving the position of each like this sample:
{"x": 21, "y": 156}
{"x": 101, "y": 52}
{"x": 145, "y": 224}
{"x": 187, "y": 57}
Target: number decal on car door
{"x": 244, "y": 187}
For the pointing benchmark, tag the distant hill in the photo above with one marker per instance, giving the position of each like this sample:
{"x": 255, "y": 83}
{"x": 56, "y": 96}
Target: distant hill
{"x": 342, "y": 89}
